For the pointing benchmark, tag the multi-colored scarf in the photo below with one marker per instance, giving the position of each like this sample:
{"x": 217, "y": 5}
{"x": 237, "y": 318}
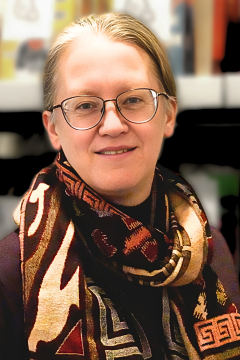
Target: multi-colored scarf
{"x": 92, "y": 275}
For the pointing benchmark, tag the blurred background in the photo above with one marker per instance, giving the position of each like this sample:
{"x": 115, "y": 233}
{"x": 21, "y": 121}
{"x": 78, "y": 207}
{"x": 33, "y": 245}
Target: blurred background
{"x": 202, "y": 40}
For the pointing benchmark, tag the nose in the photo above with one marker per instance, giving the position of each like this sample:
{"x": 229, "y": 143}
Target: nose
{"x": 112, "y": 123}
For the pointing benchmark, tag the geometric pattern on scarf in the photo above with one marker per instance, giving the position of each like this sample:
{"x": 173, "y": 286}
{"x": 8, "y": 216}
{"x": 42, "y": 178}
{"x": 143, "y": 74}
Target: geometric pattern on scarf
{"x": 180, "y": 267}
{"x": 68, "y": 315}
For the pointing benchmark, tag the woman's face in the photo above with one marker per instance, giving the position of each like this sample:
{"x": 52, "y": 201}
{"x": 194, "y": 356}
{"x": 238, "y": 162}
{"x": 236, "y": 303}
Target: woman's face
{"x": 96, "y": 65}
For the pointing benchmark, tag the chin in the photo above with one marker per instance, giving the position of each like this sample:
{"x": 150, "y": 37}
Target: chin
{"x": 113, "y": 191}
{"x": 109, "y": 186}
{"x": 121, "y": 193}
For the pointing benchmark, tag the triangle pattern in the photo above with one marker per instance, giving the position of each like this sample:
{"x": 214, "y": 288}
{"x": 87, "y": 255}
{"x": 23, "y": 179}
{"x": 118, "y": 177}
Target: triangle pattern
{"x": 73, "y": 344}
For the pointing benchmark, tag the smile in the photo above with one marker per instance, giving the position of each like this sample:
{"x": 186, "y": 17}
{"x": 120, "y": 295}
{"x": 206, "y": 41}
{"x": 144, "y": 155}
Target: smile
{"x": 114, "y": 152}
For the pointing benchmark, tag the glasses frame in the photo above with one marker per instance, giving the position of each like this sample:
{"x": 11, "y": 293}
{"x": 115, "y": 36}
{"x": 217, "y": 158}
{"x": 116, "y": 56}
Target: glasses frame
{"x": 157, "y": 94}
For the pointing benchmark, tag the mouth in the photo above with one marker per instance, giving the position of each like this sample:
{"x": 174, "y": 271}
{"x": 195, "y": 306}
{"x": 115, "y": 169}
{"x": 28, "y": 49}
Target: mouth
{"x": 115, "y": 152}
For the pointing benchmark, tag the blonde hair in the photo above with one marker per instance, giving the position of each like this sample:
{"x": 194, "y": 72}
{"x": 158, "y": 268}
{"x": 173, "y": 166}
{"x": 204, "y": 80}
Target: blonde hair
{"x": 115, "y": 26}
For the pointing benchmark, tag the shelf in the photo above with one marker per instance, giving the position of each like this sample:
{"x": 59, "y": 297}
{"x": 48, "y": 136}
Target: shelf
{"x": 203, "y": 92}
{"x": 194, "y": 92}
{"x": 21, "y": 95}
{"x": 232, "y": 90}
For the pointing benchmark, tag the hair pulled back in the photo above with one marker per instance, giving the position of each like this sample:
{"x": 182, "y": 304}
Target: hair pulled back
{"x": 117, "y": 27}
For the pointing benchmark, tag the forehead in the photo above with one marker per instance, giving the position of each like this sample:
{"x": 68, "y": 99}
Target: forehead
{"x": 95, "y": 60}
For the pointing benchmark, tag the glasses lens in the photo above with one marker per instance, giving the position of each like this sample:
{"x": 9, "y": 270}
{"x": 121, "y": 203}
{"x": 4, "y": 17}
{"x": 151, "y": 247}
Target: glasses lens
{"x": 138, "y": 105}
{"x": 83, "y": 112}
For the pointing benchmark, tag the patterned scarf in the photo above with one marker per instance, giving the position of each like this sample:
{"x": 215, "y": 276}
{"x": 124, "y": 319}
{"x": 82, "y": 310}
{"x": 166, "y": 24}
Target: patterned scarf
{"x": 98, "y": 284}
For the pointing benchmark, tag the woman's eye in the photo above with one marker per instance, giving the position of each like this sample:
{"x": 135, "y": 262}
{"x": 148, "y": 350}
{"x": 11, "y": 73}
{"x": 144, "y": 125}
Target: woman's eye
{"x": 133, "y": 100}
{"x": 84, "y": 106}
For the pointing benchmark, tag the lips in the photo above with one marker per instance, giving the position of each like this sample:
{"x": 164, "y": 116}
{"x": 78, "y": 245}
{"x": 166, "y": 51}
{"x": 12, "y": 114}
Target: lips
{"x": 114, "y": 151}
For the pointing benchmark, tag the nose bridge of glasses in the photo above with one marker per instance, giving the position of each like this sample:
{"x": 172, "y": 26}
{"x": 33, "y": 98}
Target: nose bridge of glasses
{"x": 114, "y": 100}
{"x": 105, "y": 101}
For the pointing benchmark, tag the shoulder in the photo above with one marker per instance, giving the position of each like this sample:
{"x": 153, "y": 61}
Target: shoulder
{"x": 223, "y": 264}
{"x": 10, "y": 243}
{"x": 221, "y": 259}
{"x": 10, "y": 267}
{"x": 9, "y": 255}
{"x": 12, "y": 339}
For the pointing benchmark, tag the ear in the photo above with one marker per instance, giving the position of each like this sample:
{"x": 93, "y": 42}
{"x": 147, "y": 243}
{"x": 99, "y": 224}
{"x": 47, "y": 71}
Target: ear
{"x": 171, "y": 119}
{"x": 50, "y": 126}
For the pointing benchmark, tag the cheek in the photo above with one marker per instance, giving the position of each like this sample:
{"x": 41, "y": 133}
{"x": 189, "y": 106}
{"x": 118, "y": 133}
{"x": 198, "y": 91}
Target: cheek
{"x": 76, "y": 145}
{"x": 151, "y": 137}
{"x": 156, "y": 139}
{"x": 69, "y": 138}
{"x": 156, "y": 132}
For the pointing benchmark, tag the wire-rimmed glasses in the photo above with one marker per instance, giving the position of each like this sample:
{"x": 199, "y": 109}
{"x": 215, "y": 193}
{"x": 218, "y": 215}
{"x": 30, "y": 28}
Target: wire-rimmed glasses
{"x": 84, "y": 112}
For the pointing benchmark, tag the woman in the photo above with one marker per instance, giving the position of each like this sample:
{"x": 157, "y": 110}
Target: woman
{"x": 117, "y": 257}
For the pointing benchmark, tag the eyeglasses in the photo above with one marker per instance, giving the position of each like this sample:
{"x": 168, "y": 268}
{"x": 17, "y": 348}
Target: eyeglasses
{"x": 85, "y": 112}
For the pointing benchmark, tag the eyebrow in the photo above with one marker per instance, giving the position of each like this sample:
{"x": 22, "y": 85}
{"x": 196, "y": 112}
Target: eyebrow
{"x": 84, "y": 92}
{"x": 94, "y": 93}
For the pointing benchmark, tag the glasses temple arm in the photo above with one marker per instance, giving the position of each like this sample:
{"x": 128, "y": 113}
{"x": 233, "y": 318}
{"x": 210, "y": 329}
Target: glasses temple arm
{"x": 164, "y": 94}
{"x": 54, "y": 107}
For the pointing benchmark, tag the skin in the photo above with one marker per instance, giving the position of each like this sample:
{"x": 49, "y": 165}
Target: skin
{"x": 99, "y": 66}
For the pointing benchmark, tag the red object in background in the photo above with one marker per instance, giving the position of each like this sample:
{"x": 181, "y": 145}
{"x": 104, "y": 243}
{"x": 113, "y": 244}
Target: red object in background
{"x": 219, "y": 29}
{"x": 233, "y": 10}
{"x": 226, "y": 13}
{"x": 231, "y": 60}
{"x": 35, "y": 44}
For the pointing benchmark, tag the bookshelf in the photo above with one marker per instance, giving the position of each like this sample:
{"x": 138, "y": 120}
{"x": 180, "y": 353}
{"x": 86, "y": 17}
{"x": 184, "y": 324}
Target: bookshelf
{"x": 232, "y": 88}
{"x": 21, "y": 95}
{"x": 194, "y": 92}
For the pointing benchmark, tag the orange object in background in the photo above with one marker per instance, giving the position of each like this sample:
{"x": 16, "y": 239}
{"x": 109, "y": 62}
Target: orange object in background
{"x": 233, "y": 10}
{"x": 35, "y": 44}
{"x": 219, "y": 29}
{"x": 225, "y": 12}
{"x": 95, "y": 6}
